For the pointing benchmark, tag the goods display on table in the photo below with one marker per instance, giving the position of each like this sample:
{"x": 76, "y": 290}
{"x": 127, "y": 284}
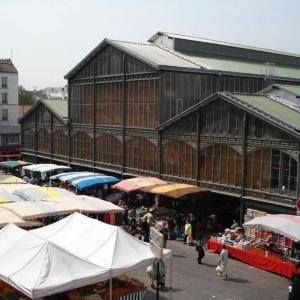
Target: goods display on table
{"x": 123, "y": 287}
{"x": 269, "y": 242}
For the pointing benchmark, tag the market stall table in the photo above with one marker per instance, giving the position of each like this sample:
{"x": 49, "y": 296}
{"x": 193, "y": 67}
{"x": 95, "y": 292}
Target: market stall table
{"x": 254, "y": 258}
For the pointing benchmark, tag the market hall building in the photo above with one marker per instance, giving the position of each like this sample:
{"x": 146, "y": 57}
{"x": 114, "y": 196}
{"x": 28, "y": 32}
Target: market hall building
{"x": 183, "y": 109}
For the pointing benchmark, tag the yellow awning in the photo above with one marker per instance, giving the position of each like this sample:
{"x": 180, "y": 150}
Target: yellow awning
{"x": 3, "y": 199}
{"x": 51, "y": 192}
{"x": 4, "y": 179}
{"x": 174, "y": 190}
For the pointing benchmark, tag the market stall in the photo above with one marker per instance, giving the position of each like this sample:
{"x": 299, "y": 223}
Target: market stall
{"x": 13, "y": 165}
{"x": 269, "y": 242}
{"x": 93, "y": 181}
{"x": 36, "y": 210}
{"x": 62, "y": 178}
{"x": 255, "y": 257}
{"x": 32, "y": 192}
{"x": 43, "y": 268}
{"x": 96, "y": 254}
{"x": 102, "y": 244}
{"x": 123, "y": 288}
{"x": 174, "y": 190}
{"x": 100, "y": 209}
{"x": 44, "y": 172}
{"x": 6, "y": 197}
{"x": 27, "y": 169}
{"x": 72, "y": 175}
{"x": 135, "y": 184}
{"x": 7, "y": 217}
{"x": 10, "y": 179}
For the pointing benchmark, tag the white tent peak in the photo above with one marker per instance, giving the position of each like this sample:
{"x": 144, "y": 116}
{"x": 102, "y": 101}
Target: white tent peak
{"x": 105, "y": 245}
{"x": 38, "y": 268}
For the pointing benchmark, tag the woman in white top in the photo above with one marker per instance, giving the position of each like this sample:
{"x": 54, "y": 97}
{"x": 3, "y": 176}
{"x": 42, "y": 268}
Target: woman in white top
{"x": 223, "y": 261}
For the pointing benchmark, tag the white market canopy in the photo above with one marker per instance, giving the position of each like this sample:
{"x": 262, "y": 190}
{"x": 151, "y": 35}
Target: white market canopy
{"x": 87, "y": 204}
{"x": 43, "y": 205}
{"x": 36, "y": 193}
{"x": 71, "y": 175}
{"x": 7, "y": 217}
{"x": 105, "y": 245}
{"x": 45, "y": 169}
{"x": 31, "y": 210}
{"x": 33, "y": 167}
{"x": 39, "y": 268}
{"x": 286, "y": 225}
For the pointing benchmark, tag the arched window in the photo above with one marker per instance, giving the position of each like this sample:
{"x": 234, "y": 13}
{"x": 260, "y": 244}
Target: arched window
{"x": 81, "y": 146}
{"x": 179, "y": 159}
{"x": 221, "y": 164}
{"x": 141, "y": 154}
{"x": 271, "y": 170}
{"x": 28, "y": 139}
{"x": 43, "y": 140}
{"x": 60, "y": 143}
{"x": 108, "y": 149}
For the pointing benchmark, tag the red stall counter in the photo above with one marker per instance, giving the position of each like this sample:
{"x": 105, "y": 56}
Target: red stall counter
{"x": 272, "y": 264}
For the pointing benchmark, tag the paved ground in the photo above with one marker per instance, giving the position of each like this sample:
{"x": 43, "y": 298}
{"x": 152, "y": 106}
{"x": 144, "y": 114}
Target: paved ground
{"x": 196, "y": 282}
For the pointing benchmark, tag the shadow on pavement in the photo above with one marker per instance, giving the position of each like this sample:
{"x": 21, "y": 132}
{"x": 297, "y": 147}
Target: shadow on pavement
{"x": 237, "y": 280}
{"x": 174, "y": 290}
{"x": 177, "y": 255}
{"x": 208, "y": 265}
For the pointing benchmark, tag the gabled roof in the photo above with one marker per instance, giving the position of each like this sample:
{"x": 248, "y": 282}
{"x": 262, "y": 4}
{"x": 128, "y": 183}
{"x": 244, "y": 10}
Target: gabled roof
{"x": 156, "y": 56}
{"x": 160, "y": 57}
{"x": 262, "y": 106}
{"x": 215, "y": 42}
{"x": 148, "y": 53}
{"x": 59, "y": 107}
{"x": 293, "y": 89}
{"x": 7, "y": 66}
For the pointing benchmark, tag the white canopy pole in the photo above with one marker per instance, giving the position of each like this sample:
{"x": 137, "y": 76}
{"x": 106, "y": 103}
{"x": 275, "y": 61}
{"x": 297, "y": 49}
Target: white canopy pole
{"x": 171, "y": 267}
{"x": 110, "y": 287}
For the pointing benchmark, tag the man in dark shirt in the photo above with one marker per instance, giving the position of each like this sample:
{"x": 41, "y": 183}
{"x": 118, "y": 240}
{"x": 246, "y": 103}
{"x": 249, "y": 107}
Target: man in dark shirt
{"x": 295, "y": 284}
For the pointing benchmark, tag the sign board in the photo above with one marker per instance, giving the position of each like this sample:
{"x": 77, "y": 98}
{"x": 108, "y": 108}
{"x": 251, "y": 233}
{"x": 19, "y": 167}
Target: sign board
{"x": 156, "y": 242}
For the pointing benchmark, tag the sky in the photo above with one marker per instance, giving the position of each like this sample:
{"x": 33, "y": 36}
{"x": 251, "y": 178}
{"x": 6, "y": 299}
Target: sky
{"x": 49, "y": 37}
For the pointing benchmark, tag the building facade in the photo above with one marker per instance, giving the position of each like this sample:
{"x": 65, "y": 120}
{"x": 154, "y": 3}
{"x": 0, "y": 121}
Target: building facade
{"x": 56, "y": 92}
{"x": 125, "y": 100}
{"x": 9, "y": 127}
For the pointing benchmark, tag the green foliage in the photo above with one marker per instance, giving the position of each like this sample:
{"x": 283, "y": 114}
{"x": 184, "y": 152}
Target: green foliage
{"x": 25, "y": 97}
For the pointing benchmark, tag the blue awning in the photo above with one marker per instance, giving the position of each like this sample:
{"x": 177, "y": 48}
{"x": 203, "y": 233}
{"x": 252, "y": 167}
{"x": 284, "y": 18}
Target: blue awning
{"x": 63, "y": 176}
{"x": 89, "y": 182}
{"x": 70, "y": 179}
{"x": 57, "y": 176}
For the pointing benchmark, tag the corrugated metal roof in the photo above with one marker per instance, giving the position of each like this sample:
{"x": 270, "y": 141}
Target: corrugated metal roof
{"x": 228, "y": 64}
{"x": 58, "y": 106}
{"x": 270, "y": 107}
{"x": 154, "y": 55}
{"x": 161, "y": 57}
{"x": 294, "y": 89}
{"x": 209, "y": 41}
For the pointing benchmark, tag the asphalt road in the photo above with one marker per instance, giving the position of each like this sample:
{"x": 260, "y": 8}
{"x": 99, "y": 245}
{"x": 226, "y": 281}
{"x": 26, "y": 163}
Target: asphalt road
{"x": 191, "y": 281}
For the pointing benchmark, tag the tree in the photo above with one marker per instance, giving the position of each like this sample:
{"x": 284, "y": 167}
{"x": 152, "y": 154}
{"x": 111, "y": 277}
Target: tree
{"x": 25, "y": 97}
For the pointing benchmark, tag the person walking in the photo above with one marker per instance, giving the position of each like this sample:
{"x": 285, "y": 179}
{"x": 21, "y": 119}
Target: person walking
{"x": 294, "y": 290}
{"x": 223, "y": 261}
{"x": 187, "y": 232}
{"x": 200, "y": 248}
